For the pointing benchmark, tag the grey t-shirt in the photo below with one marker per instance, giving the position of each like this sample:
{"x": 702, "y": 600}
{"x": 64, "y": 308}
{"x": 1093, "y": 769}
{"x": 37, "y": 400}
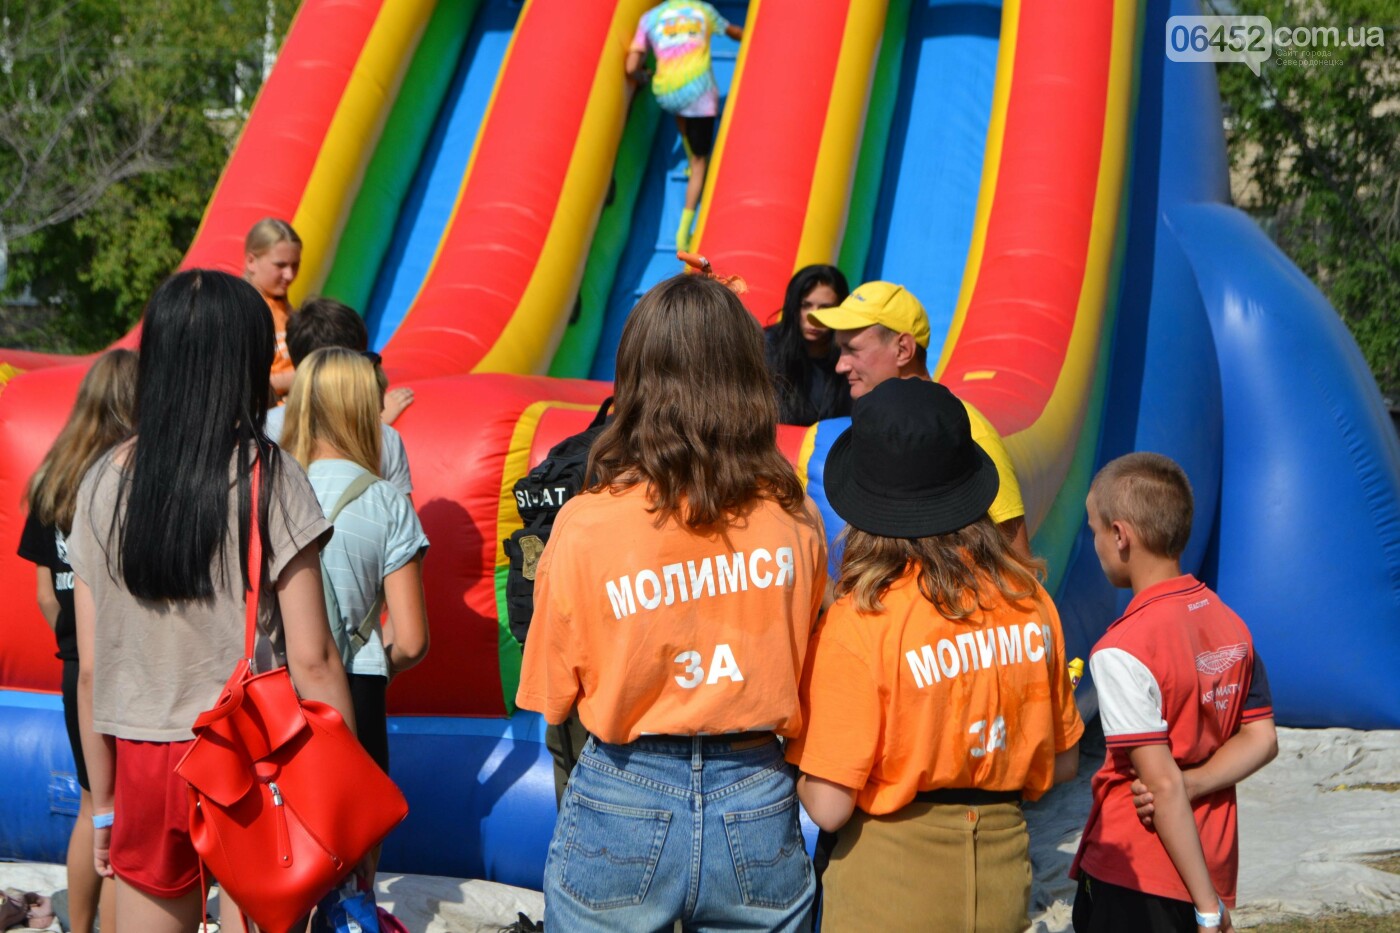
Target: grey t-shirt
{"x": 393, "y": 457}
{"x": 376, "y": 534}
{"x": 159, "y": 664}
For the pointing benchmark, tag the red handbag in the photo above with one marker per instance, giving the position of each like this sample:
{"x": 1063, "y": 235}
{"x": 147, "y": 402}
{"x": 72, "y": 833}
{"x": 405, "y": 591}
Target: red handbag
{"x": 284, "y": 801}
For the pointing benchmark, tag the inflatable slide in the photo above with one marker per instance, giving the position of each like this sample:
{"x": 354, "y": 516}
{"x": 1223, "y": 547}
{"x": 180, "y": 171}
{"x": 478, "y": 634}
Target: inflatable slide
{"x": 476, "y": 176}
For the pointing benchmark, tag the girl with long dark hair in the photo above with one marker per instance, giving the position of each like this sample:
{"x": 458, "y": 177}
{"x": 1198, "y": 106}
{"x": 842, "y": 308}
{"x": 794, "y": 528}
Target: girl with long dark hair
{"x": 802, "y": 354}
{"x": 101, "y": 416}
{"x": 673, "y": 605}
{"x": 159, "y": 547}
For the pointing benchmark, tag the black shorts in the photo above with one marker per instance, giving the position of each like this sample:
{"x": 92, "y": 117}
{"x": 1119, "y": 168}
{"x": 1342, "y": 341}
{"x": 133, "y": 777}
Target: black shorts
{"x": 1100, "y": 907}
{"x": 70, "y": 721}
{"x": 699, "y": 134}
{"x": 369, "y": 698}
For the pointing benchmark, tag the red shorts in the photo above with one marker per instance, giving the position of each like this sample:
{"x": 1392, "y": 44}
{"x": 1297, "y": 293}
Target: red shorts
{"x": 151, "y": 848}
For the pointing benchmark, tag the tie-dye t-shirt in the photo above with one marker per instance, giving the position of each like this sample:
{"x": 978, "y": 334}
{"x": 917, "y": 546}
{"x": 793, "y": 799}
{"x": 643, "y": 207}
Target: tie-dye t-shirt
{"x": 679, "y": 32}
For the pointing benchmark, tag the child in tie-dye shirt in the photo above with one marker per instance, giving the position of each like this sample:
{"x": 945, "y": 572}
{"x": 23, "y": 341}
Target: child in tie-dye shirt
{"x": 679, "y": 32}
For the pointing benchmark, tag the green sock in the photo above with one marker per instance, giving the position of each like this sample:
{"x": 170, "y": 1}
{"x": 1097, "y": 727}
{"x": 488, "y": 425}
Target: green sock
{"x": 683, "y": 231}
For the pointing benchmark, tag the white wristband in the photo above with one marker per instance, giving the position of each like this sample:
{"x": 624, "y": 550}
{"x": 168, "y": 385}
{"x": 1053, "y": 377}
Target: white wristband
{"x": 1210, "y": 920}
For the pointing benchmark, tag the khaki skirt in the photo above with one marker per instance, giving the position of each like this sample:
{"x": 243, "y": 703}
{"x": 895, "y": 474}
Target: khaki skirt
{"x": 930, "y": 866}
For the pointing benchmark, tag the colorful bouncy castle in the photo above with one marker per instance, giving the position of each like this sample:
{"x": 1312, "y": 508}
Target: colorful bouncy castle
{"x": 476, "y": 177}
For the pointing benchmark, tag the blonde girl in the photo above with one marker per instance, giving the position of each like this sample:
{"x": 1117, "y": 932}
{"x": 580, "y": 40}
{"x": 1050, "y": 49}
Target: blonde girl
{"x": 271, "y": 261}
{"x": 376, "y": 556}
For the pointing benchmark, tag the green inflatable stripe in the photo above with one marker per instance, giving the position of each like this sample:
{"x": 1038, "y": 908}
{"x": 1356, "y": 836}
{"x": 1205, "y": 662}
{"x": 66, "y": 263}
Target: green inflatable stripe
{"x": 1055, "y": 538}
{"x": 508, "y": 649}
{"x": 870, "y": 164}
{"x": 574, "y": 358}
{"x": 370, "y": 226}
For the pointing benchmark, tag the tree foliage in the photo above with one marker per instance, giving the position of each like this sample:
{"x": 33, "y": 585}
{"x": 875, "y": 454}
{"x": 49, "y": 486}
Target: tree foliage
{"x": 116, "y": 117}
{"x": 1317, "y": 140}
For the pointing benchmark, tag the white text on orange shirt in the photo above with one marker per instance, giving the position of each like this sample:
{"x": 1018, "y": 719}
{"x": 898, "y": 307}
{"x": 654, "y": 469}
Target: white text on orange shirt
{"x": 725, "y": 573}
{"x": 977, "y": 650}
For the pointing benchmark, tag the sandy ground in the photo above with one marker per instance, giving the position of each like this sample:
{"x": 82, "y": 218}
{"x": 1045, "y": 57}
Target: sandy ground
{"x": 1310, "y": 831}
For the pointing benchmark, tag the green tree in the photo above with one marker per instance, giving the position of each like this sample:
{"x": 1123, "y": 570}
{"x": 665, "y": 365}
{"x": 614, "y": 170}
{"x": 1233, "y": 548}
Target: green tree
{"x": 1316, "y": 141}
{"x": 116, "y": 117}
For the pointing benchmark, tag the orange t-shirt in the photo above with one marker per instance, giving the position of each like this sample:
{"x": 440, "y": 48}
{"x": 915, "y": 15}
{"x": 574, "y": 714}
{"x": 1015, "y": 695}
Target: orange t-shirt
{"x": 907, "y": 700}
{"x": 669, "y": 631}
{"x": 281, "y": 312}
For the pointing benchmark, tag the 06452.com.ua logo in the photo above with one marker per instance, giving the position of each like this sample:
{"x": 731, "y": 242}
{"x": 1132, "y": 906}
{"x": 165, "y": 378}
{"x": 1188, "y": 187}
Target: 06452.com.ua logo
{"x": 1254, "y": 39}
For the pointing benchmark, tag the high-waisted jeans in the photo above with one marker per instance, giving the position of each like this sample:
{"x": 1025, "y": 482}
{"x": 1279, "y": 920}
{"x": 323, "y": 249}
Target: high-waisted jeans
{"x": 668, "y": 829}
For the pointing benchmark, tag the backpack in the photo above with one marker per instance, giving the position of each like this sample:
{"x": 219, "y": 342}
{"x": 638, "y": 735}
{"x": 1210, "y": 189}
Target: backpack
{"x": 352, "y": 641}
{"x": 538, "y": 498}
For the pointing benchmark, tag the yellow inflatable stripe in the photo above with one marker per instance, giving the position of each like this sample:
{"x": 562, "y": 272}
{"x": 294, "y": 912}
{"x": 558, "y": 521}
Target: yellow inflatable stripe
{"x": 516, "y": 465}
{"x": 352, "y": 136}
{"x": 717, "y": 155}
{"x": 1056, "y": 431}
{"x": 991, "y": 165}
{"x": 835, "y": 169}
{"x": 978, "y": 375}
{"x": 528, "y": 340}
{"x": 804, "y": 454}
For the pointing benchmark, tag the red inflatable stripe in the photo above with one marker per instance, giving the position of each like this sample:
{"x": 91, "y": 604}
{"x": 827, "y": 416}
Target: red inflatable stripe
{"x": 1023, "y": 310}
{"x": 763, "y": 179}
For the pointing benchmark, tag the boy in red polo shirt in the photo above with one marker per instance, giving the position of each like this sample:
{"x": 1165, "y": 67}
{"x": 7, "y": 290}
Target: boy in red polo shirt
{"x": 1184, "y": 704}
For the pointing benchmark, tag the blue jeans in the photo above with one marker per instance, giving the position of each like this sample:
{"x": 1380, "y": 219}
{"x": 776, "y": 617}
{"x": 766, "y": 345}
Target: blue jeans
{"x": 679, "y": 829}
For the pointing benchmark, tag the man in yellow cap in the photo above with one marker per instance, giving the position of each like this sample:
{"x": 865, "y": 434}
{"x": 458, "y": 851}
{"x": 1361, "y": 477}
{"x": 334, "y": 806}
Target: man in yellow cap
{"x": 882, "y": 332}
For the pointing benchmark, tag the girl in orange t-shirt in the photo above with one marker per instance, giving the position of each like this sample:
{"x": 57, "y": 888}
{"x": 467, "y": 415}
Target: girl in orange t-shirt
{"x": 673, "y": 605}
{"x": 936, "y": 694}
{"x": 271, "y": 261}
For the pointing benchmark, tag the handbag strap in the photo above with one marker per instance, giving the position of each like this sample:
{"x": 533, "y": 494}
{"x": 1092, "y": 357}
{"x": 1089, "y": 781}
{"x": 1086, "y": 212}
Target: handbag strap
{"x": 360, "y": 635}
{"x": 252, "y": 599}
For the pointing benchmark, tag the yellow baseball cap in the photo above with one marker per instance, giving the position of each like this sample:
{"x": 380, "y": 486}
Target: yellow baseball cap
{"x": 893, "y": 306}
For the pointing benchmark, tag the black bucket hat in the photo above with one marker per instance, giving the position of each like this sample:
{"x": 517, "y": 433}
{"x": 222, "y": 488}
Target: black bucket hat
{"x": 907, "y": 467}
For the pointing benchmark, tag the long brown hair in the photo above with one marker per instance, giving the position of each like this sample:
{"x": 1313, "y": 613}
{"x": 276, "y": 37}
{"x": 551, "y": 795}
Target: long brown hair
{"x": 696, "y": 418}
{"x": 335, "y": 398}
{"x": 102, "y": 416}
{"x": 954, "y": 570}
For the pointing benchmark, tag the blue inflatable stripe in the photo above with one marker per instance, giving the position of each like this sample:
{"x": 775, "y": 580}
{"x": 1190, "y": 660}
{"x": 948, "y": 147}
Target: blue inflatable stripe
{"x": 433, "y": 196}
{"x": 524, "y": 726}
{"x": 39, "y": 796}
{"x": 480, "y": 792}
{"x": 933, "y": 161}
{"x": 827, "y": 433}
{"x": 23, "y": 699}
{"x": 1308, "y": 540}
{"x": 650, "y": 252}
